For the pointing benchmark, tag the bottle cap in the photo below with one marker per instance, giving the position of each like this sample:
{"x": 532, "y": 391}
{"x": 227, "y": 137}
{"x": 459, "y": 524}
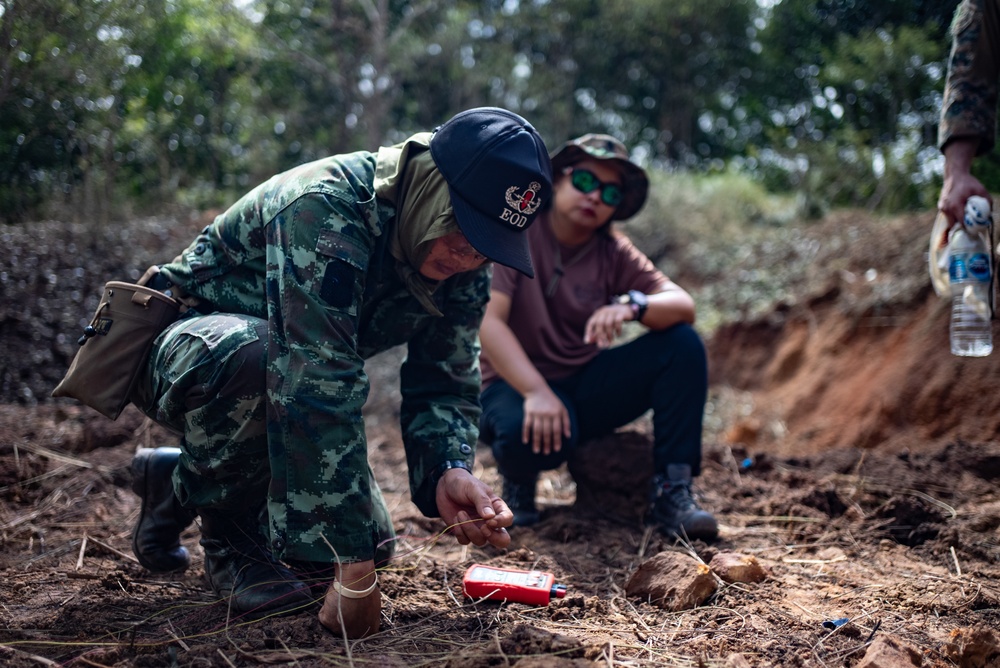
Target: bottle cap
{"x": 977, "y": 213}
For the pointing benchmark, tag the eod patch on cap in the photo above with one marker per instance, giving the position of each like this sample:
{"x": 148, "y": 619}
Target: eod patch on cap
{"x": 499, "y": 177}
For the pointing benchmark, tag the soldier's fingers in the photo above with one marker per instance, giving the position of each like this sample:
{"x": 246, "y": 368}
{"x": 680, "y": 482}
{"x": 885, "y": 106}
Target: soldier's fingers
{"x": 499, "y": 538}
{"x": 459, "y": 530}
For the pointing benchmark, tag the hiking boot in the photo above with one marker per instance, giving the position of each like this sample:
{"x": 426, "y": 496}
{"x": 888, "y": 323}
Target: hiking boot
{"x": 156, "y": 540}
{"x": 520, "y": 498}
{"x": 675, "y": 510}
{"x": 244, "y": 572}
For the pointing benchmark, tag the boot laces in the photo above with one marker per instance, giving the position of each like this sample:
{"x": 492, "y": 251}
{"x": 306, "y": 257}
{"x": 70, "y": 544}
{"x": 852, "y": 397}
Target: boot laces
{"x": 678, "y": 495}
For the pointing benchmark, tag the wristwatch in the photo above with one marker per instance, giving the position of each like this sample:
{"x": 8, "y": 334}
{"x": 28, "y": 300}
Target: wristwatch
{"x": 637, "y": 300}
{"x": 425, "y": 497}
{"x": 439, "y": 471}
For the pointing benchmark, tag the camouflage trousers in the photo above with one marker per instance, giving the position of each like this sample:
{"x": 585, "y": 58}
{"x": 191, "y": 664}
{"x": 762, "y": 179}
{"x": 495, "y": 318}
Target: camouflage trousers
{"x": 207, "y": 381}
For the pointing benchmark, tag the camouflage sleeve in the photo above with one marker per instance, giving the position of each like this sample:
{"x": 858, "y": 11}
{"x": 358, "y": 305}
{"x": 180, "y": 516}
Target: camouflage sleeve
{"x": 440, "y": 383}
{"x": 970, "y": 95}
{"x": 320, "y": 495}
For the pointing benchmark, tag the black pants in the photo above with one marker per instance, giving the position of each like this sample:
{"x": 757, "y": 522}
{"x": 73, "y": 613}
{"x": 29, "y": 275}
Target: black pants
{"x": 665, "y": 371}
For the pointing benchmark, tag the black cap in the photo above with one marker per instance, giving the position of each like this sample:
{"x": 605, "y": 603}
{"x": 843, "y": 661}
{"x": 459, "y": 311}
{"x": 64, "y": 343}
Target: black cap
{"x": 499, "y": 178}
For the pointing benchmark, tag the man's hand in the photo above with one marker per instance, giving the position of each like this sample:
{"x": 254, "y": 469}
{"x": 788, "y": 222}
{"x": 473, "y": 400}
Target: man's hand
{"x": 546, "y": 421}
{"x": 605, "y": 324}
{"x": 355, "y": 617}
{"x": 479, "y": 516}
{"x": 959, "y": 184}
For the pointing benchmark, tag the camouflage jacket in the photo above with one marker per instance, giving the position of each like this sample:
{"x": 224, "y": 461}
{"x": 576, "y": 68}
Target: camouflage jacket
{"x": 308, "y": 251}
{"x": 970, "y": 95}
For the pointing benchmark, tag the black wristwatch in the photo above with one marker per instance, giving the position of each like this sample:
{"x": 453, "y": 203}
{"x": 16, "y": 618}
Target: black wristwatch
{"x": 637, "y": 300}
{"x": 438, "y": 471}
{"x": 425, "y": 496}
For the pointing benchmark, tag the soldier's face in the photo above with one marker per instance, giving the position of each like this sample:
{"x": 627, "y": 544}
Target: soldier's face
{"x": 449, "y": 255}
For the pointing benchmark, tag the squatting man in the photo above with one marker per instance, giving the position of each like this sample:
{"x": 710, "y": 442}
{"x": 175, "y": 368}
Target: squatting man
{"x": 289, "y": 292}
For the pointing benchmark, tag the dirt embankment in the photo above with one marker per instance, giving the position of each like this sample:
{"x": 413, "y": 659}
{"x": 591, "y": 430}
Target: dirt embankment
{"x": 821, "y": 380}
{"x": 862, "y": 358}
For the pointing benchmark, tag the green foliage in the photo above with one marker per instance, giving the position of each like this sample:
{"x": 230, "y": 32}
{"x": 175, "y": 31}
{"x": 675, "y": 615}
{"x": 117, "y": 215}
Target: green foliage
{"x": 885, "y": 80}
{"x": 111, "y": 104}
{"x": 860, "y": 138}
{"x": 662, "y": 75}
{"x": 987, "y": 170}
{"x": 60, "y": 65}
{"x": 709, "y": 233}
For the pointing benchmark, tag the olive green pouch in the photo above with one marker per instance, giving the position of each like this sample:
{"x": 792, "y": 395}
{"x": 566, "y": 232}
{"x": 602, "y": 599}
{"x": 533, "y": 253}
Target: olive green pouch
{"x": 116, "y": 345}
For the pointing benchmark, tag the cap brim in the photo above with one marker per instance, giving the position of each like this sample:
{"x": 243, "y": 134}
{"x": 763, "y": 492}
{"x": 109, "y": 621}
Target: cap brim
{"x": 505, "y": 245}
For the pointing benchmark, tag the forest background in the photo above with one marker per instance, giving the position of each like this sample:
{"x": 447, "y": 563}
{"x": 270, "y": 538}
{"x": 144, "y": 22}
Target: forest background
{"x": 114, "y": 108}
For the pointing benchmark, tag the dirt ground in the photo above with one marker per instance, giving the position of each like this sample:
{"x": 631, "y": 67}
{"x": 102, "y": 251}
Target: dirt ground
{"x": 846, "y": 452}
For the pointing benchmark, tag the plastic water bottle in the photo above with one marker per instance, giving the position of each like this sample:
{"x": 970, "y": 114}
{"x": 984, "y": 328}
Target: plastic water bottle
{"x": 970, "y": 274}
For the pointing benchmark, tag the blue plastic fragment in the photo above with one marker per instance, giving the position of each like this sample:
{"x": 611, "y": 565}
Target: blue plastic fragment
{"x": 835, "y": 623}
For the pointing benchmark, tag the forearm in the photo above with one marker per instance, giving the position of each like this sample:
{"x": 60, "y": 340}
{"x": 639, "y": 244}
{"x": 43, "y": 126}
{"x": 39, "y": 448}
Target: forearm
{"x": 669, "y": 307}
{"x": 320, "y": 452}
{"x": 320, "y": 491}
{"x": 436, "y": 430}
{"x": 958, "y": 156}
{"x": 508, "y": 358}
{"x": 440, "y": 384}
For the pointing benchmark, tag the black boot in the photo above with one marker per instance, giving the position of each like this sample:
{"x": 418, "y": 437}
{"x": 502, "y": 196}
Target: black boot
{"x": 156, "y": 538}
{"x": 520, "y": 497}
{"x": 242, "y": 570}
{"x": 674, "y": 509}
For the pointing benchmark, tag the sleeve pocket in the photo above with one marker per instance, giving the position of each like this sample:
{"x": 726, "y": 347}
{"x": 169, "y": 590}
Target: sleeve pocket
{"x": 346, "y": 261}
{"x": 337, "y": 288}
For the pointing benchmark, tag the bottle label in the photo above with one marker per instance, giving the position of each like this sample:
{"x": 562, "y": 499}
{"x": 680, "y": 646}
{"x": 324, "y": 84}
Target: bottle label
{"x": 956, "y": 267}
{"x": 978, "y": 266}
{"x": 965, "y": 267}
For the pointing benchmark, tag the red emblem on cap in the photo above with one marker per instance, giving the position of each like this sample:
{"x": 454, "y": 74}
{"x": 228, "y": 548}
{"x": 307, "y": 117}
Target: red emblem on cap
{"x": 527, "y": 203}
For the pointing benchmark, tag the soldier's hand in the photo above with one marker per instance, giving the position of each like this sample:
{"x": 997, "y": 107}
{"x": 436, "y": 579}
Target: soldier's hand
{"x": 473, "y": 511}
{"x": 959, "y": 183}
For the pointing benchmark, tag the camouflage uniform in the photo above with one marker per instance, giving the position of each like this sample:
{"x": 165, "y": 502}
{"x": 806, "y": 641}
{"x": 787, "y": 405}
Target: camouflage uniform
{"x": 265, "y": 379}
{"x": 970, "y": 96}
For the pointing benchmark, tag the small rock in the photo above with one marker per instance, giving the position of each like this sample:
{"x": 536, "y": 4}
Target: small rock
{"x": 672, "y": 581}
{"x": 735, "y": 567}
{"x": 890, "y": 652}
{"x": 977, "y": 647}
{"x": 737, "y": 661}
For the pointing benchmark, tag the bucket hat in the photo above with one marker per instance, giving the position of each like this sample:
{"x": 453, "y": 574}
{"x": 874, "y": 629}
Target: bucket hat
{"x": 499, "y": 178}
{"x": 635, "y": 183}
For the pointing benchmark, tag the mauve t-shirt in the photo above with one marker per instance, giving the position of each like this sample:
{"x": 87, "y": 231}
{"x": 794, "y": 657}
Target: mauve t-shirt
{"x": 550, "y": 328}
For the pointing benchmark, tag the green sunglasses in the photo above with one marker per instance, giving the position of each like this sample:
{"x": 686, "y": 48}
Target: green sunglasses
{"x": 586, "y": 182}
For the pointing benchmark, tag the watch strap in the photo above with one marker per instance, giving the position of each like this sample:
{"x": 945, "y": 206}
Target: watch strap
{"x": 639, "y": 302}
{"x": 440, "y": 469}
